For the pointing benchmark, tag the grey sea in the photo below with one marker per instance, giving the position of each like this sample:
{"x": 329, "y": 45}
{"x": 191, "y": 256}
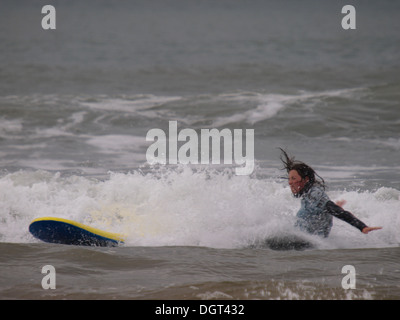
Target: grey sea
{"x": 76, "y": 105}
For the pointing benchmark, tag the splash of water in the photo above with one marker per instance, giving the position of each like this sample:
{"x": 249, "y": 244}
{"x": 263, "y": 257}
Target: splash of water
{"x": 184, "y": 207}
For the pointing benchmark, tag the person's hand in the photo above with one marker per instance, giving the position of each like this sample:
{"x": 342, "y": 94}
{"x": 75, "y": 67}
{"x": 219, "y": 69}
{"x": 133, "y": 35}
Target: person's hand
{"x": 341, "y": 203}
{"x": 368, "y": 229}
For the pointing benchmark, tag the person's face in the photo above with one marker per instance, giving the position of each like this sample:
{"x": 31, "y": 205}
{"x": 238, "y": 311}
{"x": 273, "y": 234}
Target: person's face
{"x": 296, "y": 182}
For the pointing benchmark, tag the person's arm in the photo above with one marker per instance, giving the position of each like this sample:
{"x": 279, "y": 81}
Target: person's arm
{"x": 338, "y": 212}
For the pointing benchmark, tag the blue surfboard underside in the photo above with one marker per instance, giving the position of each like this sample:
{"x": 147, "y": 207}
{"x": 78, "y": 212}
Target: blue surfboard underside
{"x": 65, "y": 233}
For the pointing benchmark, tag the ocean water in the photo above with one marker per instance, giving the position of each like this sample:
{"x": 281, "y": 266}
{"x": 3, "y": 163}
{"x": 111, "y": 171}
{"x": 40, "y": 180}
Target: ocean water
{"x": 77, "y": 102}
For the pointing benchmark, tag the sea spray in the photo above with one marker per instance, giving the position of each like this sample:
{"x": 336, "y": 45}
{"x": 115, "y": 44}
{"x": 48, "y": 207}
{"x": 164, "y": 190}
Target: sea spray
{"x": 183, "y": 207}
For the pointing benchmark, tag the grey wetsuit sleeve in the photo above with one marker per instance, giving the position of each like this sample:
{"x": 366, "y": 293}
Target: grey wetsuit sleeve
{"x": 338, "y": 212}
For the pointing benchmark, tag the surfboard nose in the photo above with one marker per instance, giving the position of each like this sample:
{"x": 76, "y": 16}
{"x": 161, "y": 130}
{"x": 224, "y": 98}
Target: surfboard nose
{"x": 63, "y": 231}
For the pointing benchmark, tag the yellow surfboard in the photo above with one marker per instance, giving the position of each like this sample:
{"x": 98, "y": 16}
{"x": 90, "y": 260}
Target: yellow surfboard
{"x": 64, "y": 231}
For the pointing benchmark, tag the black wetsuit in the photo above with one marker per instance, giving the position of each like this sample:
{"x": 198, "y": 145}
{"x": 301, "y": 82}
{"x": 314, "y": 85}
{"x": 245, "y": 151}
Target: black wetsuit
{"x": 315, "y": 214}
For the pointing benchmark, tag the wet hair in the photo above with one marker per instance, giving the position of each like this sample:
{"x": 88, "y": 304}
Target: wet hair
{"x": 302, "y": 169}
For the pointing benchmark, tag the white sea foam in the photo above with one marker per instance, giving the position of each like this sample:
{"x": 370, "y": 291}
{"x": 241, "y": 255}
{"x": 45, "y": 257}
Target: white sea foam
{"x": 268, "y": 105}
{"x": 9, "y": 128}
{"x": 184, "y": 207}
{"x": 114, "y": 142}
{"x": 134, "y": 104}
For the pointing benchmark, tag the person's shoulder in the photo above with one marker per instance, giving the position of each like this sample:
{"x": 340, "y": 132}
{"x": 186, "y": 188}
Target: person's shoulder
{"x": 317, "y": 192}
{"x": 316, "y": 187}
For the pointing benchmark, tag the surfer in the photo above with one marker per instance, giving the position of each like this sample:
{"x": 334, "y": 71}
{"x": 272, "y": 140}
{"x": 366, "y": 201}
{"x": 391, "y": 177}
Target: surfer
{"x": 316, "y": 211}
